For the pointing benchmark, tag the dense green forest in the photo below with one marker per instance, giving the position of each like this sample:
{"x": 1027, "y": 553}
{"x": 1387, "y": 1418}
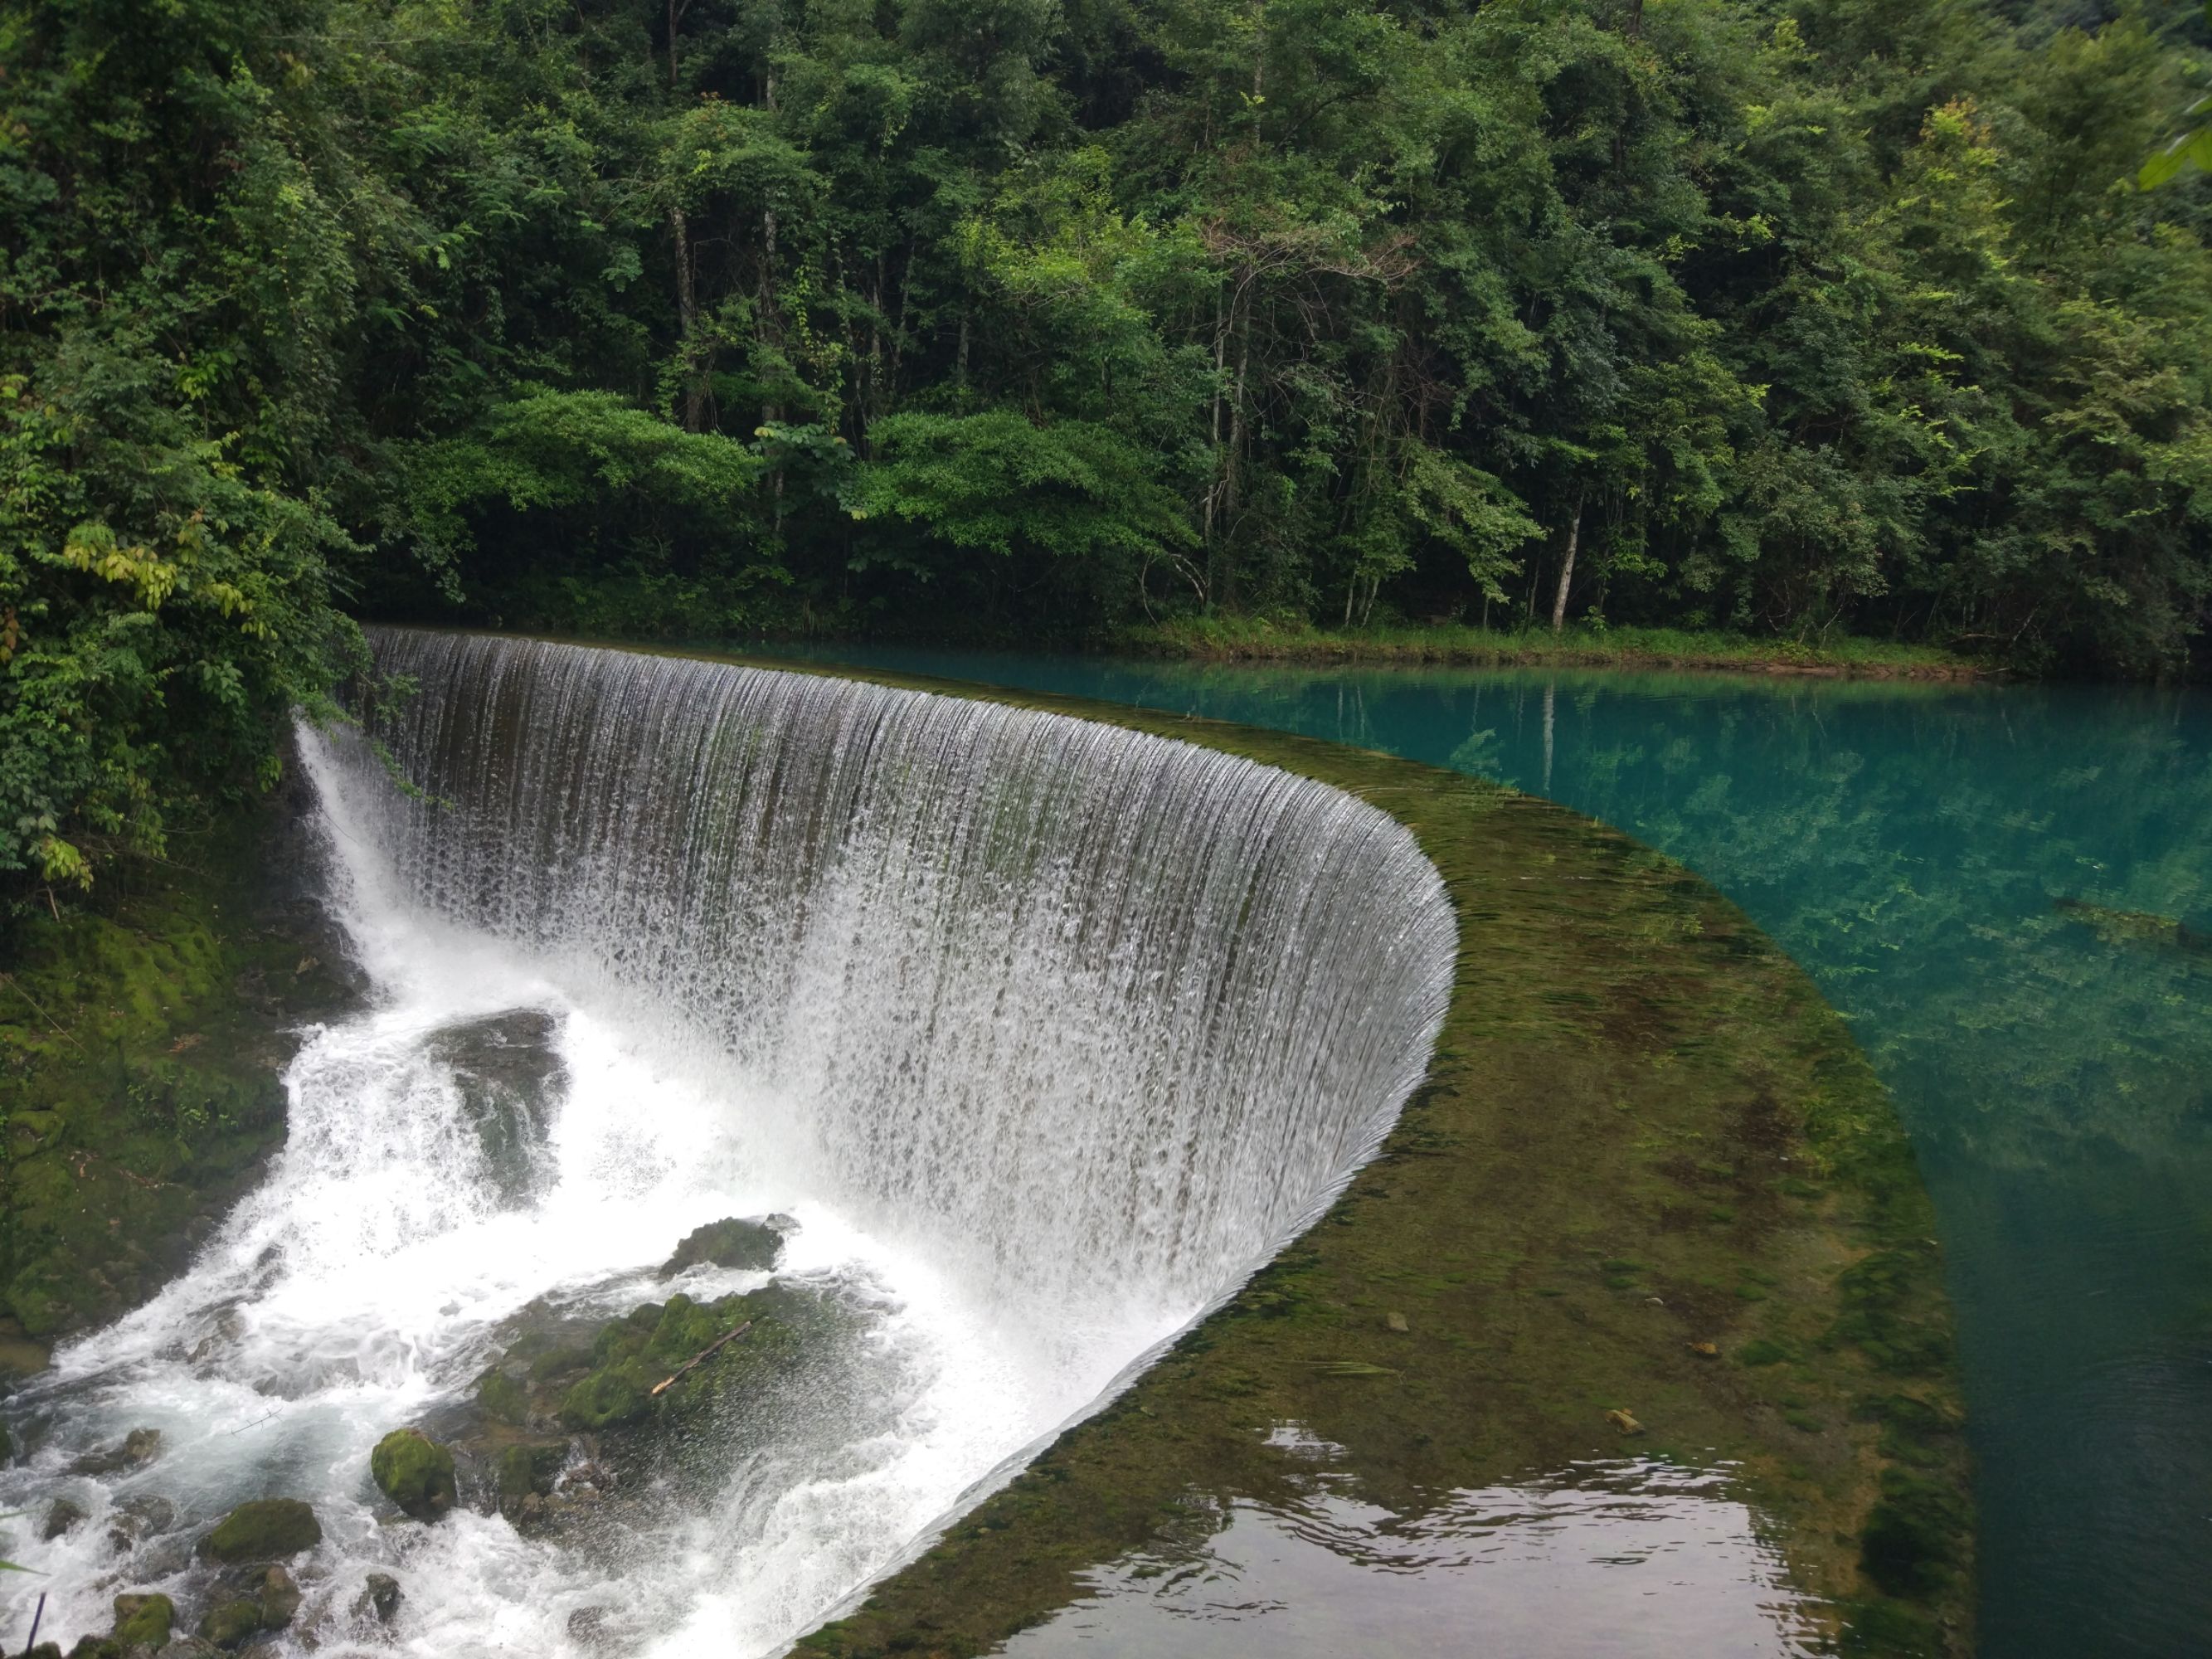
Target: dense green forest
{"x": 1038, "y": 319}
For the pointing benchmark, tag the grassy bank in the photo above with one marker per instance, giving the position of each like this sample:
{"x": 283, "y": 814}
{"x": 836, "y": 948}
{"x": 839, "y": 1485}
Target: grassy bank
{"x": 1257, "y": 639}
{"x": 141, "y": 1033}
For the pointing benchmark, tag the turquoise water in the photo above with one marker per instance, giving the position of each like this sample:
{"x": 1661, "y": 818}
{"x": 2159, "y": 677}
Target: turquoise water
{"x": 1924, "y": 852}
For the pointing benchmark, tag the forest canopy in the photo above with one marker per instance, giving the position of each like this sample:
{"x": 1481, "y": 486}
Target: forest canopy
{"x": 1033, "y": 319}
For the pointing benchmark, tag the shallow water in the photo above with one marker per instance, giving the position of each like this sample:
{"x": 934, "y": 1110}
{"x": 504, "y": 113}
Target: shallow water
{"x": 1616, "y": 1557}
{"x": 1927, "y": 853}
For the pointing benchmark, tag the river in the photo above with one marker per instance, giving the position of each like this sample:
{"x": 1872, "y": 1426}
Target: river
{"x": 2007, "y": 891}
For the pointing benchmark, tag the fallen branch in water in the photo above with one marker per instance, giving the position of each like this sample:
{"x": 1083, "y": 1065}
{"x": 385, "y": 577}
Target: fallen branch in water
{"x": 703, "y": 1356}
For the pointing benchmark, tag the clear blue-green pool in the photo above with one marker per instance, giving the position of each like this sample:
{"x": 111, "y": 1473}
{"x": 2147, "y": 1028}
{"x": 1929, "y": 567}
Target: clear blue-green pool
{"x": 2009, "y": 891}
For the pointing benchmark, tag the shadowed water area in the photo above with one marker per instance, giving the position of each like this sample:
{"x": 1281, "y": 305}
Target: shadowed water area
{"x": 2009, "y": 891}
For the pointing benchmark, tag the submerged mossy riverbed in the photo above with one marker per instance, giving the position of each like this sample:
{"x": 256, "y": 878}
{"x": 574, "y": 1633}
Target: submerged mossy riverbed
{"x": 1650, "y": 1201}
{"x": 1649, "y": 1177}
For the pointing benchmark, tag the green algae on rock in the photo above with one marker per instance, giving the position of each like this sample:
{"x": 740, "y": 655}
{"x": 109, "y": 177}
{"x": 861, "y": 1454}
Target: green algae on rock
{"x": 263, "y": 1529}
{"x": 751, "y": 1246}
{"x": 229, "y": 1623}
{"x": 142, "y": 1035}
{"x": 144, "y": 1621}
{"x": 415, "y": 1472}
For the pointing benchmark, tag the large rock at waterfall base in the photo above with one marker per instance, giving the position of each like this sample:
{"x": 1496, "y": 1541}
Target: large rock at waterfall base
{"x": 264, "y": 1529}
{"x": 229, "y": 1623}
{"x": 247, "y": 1605}
{"x": 745, "y": 1246}
{"x": 415, "y": 1472}
{"x": 144, "y": 1621}
{"x": 510, "y": 1077}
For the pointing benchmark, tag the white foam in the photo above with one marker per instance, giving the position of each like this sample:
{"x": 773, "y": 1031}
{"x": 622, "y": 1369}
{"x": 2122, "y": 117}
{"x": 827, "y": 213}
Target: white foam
{"x": 1044, "y": 1033}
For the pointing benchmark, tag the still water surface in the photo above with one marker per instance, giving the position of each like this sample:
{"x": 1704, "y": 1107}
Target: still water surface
{"x": 2009, "y": 892}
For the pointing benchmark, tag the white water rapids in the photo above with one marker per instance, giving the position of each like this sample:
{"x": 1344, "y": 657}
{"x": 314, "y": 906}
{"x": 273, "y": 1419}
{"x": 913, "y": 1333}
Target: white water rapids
{"x": 1045, "y": 1033}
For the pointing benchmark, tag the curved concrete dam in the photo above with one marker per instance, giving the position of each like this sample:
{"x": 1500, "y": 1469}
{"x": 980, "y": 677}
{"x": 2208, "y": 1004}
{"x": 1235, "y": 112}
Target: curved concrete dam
{"x": 1029, "y": 1038}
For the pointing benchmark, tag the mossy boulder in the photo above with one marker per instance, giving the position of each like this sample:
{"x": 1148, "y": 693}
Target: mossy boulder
{"x": 610, "y": 1397}
{"x": 502, "y": 1398}
{"x": 144, "y": 1621}
{"x": 229, "y": 1623}
{"x": 633, "y": 1355}
{"x": 263, "y": 1529}
{"x": 744, "y": 1246}
{"x": 280, "y": 1599}
{"x": 415, "y": 1472}
{"x": 527, "y": 1469}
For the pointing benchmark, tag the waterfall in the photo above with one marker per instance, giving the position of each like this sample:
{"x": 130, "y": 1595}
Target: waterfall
{"x": 1045, "y": 1031}
{"x": 1090, "y": 1007}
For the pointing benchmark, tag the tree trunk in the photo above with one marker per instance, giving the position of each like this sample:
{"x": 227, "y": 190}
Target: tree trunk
{"x": 1225, "y": 583}
{"x": 1567, "y": 571}
{"x": 687, "y": 313}
{"x": 1213, "y": 485}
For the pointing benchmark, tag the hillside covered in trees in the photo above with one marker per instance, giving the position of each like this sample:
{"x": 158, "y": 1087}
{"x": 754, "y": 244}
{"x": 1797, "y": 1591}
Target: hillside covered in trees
{"x": 1033, "y": 319}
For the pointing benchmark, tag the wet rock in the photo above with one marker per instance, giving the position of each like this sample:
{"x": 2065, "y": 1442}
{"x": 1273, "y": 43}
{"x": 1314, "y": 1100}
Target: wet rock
{"x": 280, "y": 1599}
{"x": 229, "y": 1624}
{"x": 380, "y": 1599}
{"x": 161, "y": 1556}
{"x": 744, "y": 1246}
{"x": 502, "y": 1398}
{"x": 20, "y": 1357}
{"x": 143, "y": 1619}
{"x": 264, "y": 1529}
{"x": 63, "y": 1516}
{"x": 632, "y": 1356}
{"x": 139, "y": 1517}
{"x": 527, "y": 1468}
{"x": 509, "y": 1078}
{"x": 415, "y": 1472}
{"x": 566, "y": 1424}
{"x": 187, "y": 1647}
{"x": 135, "y": 1450}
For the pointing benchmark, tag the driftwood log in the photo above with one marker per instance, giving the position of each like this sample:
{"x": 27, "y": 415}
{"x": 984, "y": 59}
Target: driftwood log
{"x": 701, "y": 1357}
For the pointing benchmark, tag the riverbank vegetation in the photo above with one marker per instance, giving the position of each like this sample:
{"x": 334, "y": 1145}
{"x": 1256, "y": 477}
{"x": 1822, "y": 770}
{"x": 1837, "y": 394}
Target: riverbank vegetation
{"x": 1262, "y": 639}
{"x": 1046, "y": 318}
{"x": 141, "y": 1037}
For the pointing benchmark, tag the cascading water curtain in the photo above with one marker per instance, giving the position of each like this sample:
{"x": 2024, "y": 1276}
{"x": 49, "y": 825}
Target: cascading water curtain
{"x": 1084, "y": 1011}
